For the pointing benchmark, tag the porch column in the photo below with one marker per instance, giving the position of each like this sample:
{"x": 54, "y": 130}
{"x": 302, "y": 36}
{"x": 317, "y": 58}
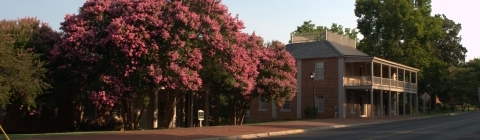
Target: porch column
{"x": 371, "y": 90}
{"x": 404, "y": 82}
{"x": 381, "y": 104}
{"x": 299, "y": 90}
{"x": 410, "y": 103}
{"x": 371, "y": 103}
{"x": 155, "y": 110}
{"x": 371, "y": 73}
{"x": 397, "y": 109}
{"x": 381, "y": 91}
{"x": 416, "y": 90}
{"x": 341, "y": 89}
{"x": 396, "y": 78}
{"x": 404, "y": 104}
{"x": 416, "y": 103}
{"x": 390, "y": 103}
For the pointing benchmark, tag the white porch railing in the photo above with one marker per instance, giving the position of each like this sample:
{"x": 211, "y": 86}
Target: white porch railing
{"x": 377, "y": 81}
{"x": 357, "y": 81}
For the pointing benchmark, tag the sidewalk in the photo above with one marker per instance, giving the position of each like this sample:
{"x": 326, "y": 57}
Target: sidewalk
{"x": 230, "y": 132}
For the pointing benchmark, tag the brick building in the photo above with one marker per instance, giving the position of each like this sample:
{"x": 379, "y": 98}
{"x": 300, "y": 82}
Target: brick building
{"x": 346, "y": 82}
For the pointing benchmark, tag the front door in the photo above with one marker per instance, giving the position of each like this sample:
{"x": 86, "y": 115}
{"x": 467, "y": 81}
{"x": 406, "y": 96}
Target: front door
{"x": 363, "y": 107}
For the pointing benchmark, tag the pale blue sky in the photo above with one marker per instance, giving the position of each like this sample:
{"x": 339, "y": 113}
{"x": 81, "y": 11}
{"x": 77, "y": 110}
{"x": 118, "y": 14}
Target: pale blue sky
{"x": 271, "y": 19}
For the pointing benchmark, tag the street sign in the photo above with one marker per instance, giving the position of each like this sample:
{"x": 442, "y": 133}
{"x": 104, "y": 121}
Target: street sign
{"x": 201, "y": 115}
{"x": 425, "y": 97}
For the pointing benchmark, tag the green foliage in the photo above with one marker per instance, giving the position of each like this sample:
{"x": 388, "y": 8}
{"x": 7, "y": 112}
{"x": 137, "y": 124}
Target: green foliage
{"x": 309, "y": 27}
{"x": 449, "y": 48}
{"x": 22, "y": 73}
{"x": 310, "y": 111}
{"x": 399, "y": 31}
{"x": 405, "y": 32}
{"x": 89, "y": 125}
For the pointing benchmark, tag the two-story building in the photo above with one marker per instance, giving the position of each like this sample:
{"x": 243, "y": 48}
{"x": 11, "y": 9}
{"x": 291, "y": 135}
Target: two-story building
{"x": 343, "y": 82}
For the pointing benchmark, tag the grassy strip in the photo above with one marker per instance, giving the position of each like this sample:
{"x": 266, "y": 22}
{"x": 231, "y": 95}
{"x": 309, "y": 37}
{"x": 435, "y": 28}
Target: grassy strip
{"x": 20, "y": 136}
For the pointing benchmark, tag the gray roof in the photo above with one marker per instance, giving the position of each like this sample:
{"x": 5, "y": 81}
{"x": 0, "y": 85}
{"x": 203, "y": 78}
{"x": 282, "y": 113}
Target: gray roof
{"x": 321, "y": 49}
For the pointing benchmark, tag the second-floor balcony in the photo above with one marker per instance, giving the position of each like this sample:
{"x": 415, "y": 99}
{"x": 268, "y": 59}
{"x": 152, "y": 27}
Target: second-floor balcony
{"x": 378, "y": 82}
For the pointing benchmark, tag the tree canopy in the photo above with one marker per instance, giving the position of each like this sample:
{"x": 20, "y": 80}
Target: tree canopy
{"x": 119, "y": 51}
{"x": 309, "y": 27}
{"x": 404, "y": 31}
{"x": 22, "y": 72}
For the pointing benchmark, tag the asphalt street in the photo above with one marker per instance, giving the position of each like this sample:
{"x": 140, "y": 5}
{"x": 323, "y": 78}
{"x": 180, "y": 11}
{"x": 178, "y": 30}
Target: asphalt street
{"x": 464, "y": 126}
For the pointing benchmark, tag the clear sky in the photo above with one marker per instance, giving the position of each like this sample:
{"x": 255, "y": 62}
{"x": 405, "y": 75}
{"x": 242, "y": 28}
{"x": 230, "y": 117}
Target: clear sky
{"x": 271, "y": 19}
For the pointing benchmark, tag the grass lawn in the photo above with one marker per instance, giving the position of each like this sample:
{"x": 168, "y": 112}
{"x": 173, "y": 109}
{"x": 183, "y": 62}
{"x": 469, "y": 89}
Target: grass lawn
{"x": 43, "y": 135}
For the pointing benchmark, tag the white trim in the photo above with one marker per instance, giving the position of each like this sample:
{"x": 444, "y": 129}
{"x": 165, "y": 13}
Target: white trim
{"x": 320, "y": 104}
{"x": 262, "y": 109}
{"x": 274, "y": 110}
{"x": 342, "y": 96}
{"x": 318, "y": 75}
{"x": 260, "y": 106}
{"x": 289, "y": 107}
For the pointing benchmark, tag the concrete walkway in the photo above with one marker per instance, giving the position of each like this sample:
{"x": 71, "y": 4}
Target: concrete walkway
{"x": 229, "y": 132}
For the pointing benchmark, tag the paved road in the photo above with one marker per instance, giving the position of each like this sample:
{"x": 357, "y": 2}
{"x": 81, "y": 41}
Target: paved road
{"x": 463, "y": 126}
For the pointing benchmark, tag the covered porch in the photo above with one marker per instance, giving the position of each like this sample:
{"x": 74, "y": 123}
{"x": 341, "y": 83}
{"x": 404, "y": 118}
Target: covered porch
{"x": 376, "y": 88}
{"x": 380, "y": 103}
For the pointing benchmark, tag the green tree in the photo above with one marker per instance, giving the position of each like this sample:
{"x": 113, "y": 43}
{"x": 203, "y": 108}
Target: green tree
{"x": 405, "y": 32}
{"x": 449, "y": 48}
{"x": 399, "y": 31}
{"x": 22, "y": 73}
{"x": 309, "y": 27}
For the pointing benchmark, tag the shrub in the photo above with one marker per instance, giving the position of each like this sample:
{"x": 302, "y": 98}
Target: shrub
{"x": 310, "y": 112}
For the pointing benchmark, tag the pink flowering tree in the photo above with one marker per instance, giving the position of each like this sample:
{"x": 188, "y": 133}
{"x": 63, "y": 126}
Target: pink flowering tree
{"x": 276, "y": 81}
{"x": 128, "y": 49}
{"x": 119, "y": 52}
{"x": 272, "y": 79}
{"x": 238, "y": 73}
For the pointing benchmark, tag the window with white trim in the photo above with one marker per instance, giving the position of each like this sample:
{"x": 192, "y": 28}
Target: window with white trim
{"x": 320, "y": 104}
{"x": 319, "y": 71}
{"x": 286, "y": 105}
{"x": 262, "y": 106}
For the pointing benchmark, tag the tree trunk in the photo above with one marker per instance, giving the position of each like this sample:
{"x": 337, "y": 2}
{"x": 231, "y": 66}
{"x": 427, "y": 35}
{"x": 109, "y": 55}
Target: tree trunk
{"x": 137, "y": 121}
{"x": 170, "y": 110}
{"x": 77, "y": 113}
{"x": 123, "y": 108}
{"x": 234, "y": 110}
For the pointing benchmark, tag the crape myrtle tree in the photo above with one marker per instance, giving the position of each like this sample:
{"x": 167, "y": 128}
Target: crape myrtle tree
{"x": 276, "y": 80}
{"x": 121, "y": 51}
{"x": 231, "y": 59}
{"x": 257, "y": 71}
{"x": 22, "y": 67}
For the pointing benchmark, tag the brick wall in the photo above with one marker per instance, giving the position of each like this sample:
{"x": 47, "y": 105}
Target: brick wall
{"x": 257, "y": 115}
{"x": 327, "y": 88}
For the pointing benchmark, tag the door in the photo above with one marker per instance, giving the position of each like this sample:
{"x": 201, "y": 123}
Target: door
{"x": 360, "y": 71}
{"x": 361, "y": 101}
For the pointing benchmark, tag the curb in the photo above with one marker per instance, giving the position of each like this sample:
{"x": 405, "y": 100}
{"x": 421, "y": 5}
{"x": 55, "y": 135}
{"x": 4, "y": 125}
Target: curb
{"x": 297, "y": 131}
